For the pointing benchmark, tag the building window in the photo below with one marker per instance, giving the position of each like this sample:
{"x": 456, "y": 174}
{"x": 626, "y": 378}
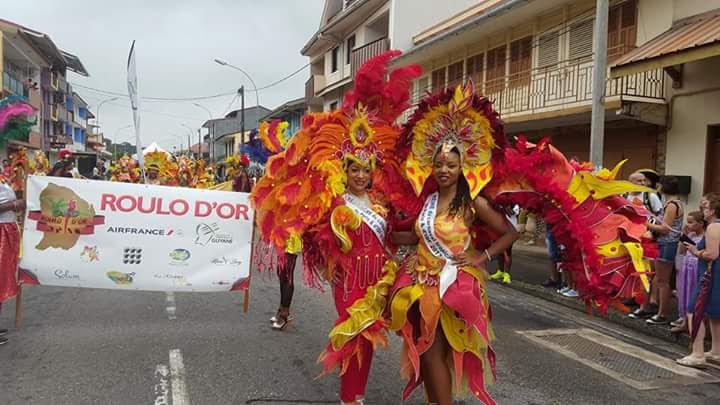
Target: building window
{"x": 520, "y": 61}
{"x": 475, "y": 66}
{"x": 349, "y": 46}
{"x": 334, "y": 59}
{"x": 548, "y": 47}
{"x": 422, "y": 85}
{"x": 333, "y": 106}
{"x": 622, "y": 29}
{"x": 581, "y": 39}
{"x": 438, "y": 78}
{"x": 455, "y": 74}
{"x": 495, "y": 72}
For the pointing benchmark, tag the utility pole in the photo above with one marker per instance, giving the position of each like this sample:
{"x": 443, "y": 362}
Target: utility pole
{"x": 189, "y": 151}
{"x": 241, "y": 90}
{"x": 199, "y": 145}
{"x": 597, "y": 126}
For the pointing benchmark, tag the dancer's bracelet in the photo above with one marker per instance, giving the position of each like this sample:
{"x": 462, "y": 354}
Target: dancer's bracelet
{"x": 488, "y": 255}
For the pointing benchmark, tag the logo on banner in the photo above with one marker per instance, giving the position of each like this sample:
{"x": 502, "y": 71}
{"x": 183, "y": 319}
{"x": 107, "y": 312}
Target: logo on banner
{"x": 179, "y": 257}
{"x": 128, "y": 230}
{"x": 61, "y": 274}
{"x": 120, "y": 278}
{"x": 90, "y": 254}
{"x": 226, "y": 261}
{"x": 63, "y": 217}
{"x": 206, "y": 234}
{"x": 132, "y": 255}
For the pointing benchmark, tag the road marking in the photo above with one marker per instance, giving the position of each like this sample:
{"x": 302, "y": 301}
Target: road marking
{"x": 170, "y": 298}
{"x": 162, "y": 385}
{"x": 177, "y": 379}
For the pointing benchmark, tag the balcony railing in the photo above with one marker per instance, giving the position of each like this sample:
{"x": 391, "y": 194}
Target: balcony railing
{"x": 362, "y": 54}
{"x": 566, "y": 85}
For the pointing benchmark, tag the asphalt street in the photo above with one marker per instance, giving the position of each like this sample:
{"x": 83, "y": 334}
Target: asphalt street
{"x": 80, "y": 346}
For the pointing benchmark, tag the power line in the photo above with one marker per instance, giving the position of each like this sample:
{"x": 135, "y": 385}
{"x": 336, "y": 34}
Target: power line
{"x": 165, "y": 99}
{"x": 284, "y": 78}
{"x": 184, "y": 99}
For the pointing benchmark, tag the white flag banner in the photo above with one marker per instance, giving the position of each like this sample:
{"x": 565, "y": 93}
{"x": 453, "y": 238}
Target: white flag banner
{"x": 132, "y": 84}
{"x": 98, "y": 234}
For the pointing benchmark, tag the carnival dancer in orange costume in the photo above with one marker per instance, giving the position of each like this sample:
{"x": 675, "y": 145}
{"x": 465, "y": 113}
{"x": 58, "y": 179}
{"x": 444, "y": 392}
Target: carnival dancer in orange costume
{"x": 439, "y": 302}
{"x": 324, "y": 196}
{"x": 455, "y": 149}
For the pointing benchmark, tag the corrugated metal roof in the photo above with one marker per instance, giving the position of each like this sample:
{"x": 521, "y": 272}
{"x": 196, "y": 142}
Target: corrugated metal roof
{"x": 688, "y": 33}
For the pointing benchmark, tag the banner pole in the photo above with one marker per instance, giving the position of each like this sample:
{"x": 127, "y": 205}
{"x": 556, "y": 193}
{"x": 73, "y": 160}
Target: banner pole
{"x": 246, "y": 298}
{"x": 18, "y": 307}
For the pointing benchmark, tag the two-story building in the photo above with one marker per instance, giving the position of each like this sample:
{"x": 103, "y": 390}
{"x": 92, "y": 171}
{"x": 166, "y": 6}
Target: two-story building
{"x": 226, "y": 133}
{"x": 42, "y": 80}
{"x": 291, "y": 111}
{"x": 682, "y": 38}
{"x": 350, "y": 32}
{"x": 534, "y": 59}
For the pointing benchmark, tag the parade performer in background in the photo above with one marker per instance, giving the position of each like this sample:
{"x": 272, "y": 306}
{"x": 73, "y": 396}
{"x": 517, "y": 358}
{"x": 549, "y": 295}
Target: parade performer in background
{"x": 324, "y": 196}
{"x": 156, "y": 168}
{"x": 460, "y": 166}
{"x": 236, "y": 171}
{"x": 125, "y": 170}
{"x": 271, "y": 139}
{"x": 39, "y": 165}
{"x": 14, "y": 124}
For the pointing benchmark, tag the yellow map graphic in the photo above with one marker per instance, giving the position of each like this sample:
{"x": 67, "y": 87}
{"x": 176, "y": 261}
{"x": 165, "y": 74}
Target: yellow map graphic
{"x": 63, "y": 217}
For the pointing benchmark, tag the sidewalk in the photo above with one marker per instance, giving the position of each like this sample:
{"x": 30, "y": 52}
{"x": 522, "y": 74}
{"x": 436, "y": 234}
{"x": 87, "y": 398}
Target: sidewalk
{"x": 530, "y": 269}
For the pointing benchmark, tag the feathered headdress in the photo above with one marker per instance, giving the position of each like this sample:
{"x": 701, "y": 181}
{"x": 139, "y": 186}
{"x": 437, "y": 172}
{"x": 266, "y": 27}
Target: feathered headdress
{"x": 301, "y": 183}
{"x": 234, "y": 163}
{"x": 39, "y": 165}
{"x": 125, "y": 170}
{"x": 455, "y": 119}
{"x": 14, "y": 122}
{"x": 270, "y": 139}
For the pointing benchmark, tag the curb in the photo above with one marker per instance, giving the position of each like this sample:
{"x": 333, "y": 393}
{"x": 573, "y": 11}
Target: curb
{"x": 660, "y": 332}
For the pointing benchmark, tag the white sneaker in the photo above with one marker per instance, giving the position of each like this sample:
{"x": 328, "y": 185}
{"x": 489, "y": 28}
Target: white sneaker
{"x": 570, "y": 293}
{"x": 563, "y": 290}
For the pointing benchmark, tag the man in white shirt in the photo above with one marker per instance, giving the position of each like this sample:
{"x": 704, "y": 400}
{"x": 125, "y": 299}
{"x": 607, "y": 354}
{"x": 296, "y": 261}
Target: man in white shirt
{"x": 650, "y": 201}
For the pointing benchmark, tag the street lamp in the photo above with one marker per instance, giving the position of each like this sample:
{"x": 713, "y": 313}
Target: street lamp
{"x": 190, "y": 134}
{"x": 257, "y": 96}
{"x": 97, "y": 117}
{"x": 241, "y": 90}
{"x": 115, "y": 138}
{"x": 211, "y": 144}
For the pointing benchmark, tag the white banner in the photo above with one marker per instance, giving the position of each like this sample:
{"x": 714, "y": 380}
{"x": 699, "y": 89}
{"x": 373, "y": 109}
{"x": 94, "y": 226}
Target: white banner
{"x": 99, "y": 234}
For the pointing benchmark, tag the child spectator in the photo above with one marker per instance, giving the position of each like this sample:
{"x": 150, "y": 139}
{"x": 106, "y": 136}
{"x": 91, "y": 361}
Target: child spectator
{"x": 686, "y": 277}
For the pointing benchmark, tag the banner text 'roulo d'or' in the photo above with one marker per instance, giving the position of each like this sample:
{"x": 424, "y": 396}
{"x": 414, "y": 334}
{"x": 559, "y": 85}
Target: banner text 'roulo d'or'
{"x": 97, "y": 234}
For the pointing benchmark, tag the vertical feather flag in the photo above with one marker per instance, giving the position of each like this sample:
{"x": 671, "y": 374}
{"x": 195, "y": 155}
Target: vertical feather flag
{"x": 132, "y": 84}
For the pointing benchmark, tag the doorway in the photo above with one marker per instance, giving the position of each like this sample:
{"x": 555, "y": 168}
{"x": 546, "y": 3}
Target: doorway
{"x": 712, "y": 160}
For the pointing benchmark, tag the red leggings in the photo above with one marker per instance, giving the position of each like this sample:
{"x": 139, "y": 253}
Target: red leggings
{"x": 353, "y": 382}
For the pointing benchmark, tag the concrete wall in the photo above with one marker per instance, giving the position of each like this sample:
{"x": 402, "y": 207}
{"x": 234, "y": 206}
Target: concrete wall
{"x": 654, "y": 18}
{"x": 410, "y": 17}
{"x": 693, "y": 108}
{"x": 687, "y": 8}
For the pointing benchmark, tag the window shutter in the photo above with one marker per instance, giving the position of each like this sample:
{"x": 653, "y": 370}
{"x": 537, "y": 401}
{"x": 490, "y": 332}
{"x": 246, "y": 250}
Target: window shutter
{"x": 438, "y": 79}
{"x": 581, "y": 39}
{"x": 455, "y": 74}
{"x": 549, "y": 49}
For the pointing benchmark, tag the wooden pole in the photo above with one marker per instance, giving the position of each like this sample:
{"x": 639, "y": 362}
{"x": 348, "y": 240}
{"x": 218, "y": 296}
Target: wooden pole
{"x": 246, "y": 298}
{"x": 18, "y": 307}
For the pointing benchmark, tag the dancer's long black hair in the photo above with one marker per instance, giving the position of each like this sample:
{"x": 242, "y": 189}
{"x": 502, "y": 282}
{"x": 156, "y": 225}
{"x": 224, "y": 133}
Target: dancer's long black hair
{"x": 462, "y": 201}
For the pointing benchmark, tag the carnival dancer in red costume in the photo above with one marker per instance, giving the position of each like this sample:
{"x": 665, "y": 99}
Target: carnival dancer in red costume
{"x": 324, "y": 196}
